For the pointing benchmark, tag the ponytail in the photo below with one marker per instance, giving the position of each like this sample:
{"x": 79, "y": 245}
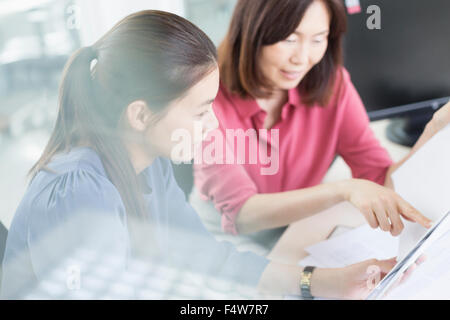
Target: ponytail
{"x": 76, "y": 73}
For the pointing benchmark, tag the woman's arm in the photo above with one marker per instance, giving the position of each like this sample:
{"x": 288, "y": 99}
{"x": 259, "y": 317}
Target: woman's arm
{"x": 439, "y": 121}
{"x": 352, "y": 282}
{"x": 381, "y": 206}
{"x": 267, "y": 211}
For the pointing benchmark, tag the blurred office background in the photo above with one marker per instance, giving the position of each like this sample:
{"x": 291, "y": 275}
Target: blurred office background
{"x": 36, "y": 39}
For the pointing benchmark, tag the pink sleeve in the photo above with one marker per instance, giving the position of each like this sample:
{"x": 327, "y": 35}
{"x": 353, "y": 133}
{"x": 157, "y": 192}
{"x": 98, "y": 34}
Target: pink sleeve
{"x": 228, "y": 186}
{"x": 357, "y": 143}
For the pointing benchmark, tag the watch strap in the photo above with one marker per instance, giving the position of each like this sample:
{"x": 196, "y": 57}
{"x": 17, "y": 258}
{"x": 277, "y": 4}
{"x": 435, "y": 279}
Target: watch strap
{"x": 305, "y": 283}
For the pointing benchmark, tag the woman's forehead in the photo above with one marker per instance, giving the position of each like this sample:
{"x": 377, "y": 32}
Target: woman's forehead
{"x": 316, "y": 19}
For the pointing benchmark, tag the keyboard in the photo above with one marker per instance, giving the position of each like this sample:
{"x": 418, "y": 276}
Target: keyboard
{"x": 89, "y": 274}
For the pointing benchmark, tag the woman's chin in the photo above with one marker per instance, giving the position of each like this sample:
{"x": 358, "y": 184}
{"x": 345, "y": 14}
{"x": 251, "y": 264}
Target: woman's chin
{"x": 289, "y": 85}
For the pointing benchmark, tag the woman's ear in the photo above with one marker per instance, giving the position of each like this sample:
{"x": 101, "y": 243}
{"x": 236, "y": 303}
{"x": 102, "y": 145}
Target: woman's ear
{"x": 138, "y": 115}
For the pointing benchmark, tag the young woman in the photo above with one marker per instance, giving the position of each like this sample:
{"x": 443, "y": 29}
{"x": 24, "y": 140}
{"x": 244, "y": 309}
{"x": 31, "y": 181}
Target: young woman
{"x": 282, "y": 71}
{"x": 105, "y": 179}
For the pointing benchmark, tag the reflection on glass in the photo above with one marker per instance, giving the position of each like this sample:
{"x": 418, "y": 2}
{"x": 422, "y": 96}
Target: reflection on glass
{"x": 36, "y": 39}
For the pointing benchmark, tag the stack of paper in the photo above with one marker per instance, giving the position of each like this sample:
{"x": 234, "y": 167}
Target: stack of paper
{"x": 424, "y": 181}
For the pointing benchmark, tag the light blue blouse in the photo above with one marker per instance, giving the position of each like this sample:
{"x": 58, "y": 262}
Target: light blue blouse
{"x": 76, "y": 204}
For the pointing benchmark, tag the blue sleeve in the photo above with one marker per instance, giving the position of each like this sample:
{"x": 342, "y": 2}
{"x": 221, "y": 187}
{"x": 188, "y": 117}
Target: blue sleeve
{"x": 78, "y": 218}
{"x": 197, "y": 248}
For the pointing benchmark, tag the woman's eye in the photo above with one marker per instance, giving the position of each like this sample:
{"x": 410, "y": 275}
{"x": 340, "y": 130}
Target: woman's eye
{"x": 318, "y": 40}
{"x": 201, "y": 115}
{"x": 291, "y": 38}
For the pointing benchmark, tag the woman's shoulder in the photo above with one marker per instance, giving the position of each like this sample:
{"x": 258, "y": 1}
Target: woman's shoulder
{"x": 226, "y": 98}
{"x": 343, "y": 88}
{"x": 231, "y": 108}
{"x": 75, "y": 181}
{"x": 343, "y": 80}
{"x": 224, "y": 101}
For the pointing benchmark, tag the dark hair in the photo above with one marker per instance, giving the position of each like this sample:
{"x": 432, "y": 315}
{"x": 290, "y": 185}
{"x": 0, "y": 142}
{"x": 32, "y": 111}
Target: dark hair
{"x": 258, "y": 23}
{"x": 152, "y": 56}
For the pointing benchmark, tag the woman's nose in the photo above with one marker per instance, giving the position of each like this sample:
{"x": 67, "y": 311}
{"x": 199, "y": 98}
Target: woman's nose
{"x": 300, "y": 56}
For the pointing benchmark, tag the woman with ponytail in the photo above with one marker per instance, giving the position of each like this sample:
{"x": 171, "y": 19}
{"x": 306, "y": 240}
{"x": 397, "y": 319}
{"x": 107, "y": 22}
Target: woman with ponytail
{"x": 104, "y": 181}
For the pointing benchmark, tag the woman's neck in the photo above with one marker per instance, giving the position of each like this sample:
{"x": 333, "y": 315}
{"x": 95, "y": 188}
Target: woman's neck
{"x": 272, "y": 106}
{"x": 139, "y": 158}
{"x": 274, "y": 102}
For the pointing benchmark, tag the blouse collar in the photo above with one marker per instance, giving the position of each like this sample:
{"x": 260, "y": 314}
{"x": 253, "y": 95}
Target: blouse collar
{"x": 248, "y": 107}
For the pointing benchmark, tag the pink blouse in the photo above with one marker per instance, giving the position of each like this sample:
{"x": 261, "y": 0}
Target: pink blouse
{"x": 309, "y": 138}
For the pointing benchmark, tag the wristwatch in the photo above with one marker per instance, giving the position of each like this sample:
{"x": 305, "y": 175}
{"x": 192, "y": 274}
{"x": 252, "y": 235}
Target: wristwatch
{"x": 305, "y": 283}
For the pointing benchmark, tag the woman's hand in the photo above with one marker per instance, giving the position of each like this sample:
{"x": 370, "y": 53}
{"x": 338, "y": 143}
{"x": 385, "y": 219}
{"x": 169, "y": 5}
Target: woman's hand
{"x": 355, "y": 281}
{"x": 381, "y": 206}
{"x": 440, "y": 119}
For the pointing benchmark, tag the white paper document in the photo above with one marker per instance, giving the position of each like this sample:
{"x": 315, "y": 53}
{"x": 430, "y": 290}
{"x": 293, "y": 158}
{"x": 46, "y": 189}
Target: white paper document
{"x": 352, "y": 247}
{"x": 424, "y": 181}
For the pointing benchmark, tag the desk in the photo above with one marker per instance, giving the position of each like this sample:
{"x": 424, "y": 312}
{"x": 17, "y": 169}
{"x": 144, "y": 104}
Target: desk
{"x": 301, "y": 234}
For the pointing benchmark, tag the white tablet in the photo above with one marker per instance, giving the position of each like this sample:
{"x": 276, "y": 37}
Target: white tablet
{"x": 434, "y": 233}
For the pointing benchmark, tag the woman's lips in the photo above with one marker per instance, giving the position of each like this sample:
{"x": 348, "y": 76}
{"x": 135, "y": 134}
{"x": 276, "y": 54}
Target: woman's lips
{"x": 292, "y": 75}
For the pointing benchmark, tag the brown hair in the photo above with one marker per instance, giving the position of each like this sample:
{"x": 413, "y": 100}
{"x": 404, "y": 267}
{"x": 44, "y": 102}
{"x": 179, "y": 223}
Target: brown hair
{"x": 257, "y": 23}
{"x": 152, "y": 56}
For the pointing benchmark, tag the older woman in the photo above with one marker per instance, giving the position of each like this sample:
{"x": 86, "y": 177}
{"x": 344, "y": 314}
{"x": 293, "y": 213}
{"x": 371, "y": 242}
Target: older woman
{"x": 284, "y": 84}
